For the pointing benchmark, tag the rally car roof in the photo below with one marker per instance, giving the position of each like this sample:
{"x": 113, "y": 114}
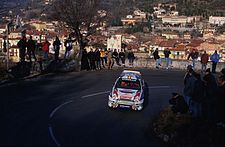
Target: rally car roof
{"x": 130, "y": 75}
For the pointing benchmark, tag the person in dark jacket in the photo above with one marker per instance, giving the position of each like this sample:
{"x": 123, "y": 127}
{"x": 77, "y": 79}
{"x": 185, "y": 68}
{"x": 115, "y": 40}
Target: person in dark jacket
{"x": 22, "y": 45}
{"x": 31, "y": 46}
{"x": 69, "y": 46}
{"x": 91, "y": 57}
{"x": 167, "y": 57}
{"x": 209, "y": 105}
{"x": 194, "y": 56}
{"x": 157, "y": 57}
{"x": 84, "y": 61}
{"x": 115, "y": 56}
{"x": 189, "y": 85}
{"x": 198, "y": 96}
{"x": 56, "y": 45}
{"x": 131, "y": 58}
{"x": 122, "y": 57}
{"x": 97, "y": 59}
{"x": 221, "y": 100}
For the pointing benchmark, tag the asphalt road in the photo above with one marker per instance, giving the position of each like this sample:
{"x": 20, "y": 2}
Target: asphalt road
{"x": 71, "y": 109}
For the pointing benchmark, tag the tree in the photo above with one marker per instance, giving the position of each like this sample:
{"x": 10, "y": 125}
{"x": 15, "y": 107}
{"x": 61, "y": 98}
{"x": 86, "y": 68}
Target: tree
{"x": 80, "y": 16}
{"x": 31, "y": 15}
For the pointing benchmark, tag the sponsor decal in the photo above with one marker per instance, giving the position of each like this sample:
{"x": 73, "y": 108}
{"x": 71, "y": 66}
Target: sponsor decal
{"x": 124, "y": 106}
{"x": 123, "y": 91}
{"x": 126, "y": 97}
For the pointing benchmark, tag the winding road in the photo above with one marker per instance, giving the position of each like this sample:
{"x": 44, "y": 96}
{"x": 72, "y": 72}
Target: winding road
{"x": 71, "y": 109}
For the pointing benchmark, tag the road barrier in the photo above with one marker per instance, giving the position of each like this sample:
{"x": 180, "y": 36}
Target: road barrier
{"x": 176, "y": 64}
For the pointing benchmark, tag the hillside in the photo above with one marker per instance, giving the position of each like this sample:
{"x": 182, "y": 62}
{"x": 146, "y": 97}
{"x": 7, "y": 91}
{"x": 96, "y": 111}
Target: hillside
{"x": 120, "y": 8}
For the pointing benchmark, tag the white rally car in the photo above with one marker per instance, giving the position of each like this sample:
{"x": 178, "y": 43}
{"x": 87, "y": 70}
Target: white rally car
{"x": 128, "y": 91}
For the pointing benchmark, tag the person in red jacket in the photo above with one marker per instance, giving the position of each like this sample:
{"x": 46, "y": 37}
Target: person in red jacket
{"x": 45, "y": 48}
{"x": 204, "y": 61}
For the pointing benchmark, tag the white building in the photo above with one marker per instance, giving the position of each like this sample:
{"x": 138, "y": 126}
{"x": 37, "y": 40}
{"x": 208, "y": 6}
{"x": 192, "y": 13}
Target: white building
{"x": 2, "y": 29}
{"x": 217, "y": 20}
{"x": 114, "y": 42}
{"x": 174, "y": 20}
{"x": 170, "y": 35}
{"x": 139, "y": 14}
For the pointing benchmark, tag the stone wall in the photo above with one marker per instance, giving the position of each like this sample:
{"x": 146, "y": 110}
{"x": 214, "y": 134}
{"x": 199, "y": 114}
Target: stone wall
{"x": 177, "y": 64}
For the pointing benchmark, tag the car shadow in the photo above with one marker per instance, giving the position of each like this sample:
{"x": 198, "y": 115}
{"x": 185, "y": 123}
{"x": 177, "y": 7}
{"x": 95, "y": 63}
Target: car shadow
{"x": 146, "y": 95}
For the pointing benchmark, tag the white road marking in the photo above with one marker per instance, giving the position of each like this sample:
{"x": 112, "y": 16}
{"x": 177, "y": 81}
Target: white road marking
{"x": 94, "y": 94}
{"x": 57, "y": 108}
{"x": 53, "y": 136}
{"x": 50, "y": 127}
{"x": 104, "y": 92}
{"x": 86, "y": 96}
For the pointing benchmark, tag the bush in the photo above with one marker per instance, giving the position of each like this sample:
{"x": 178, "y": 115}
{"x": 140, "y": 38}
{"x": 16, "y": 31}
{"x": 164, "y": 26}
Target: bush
{"x": 168, "y": 123}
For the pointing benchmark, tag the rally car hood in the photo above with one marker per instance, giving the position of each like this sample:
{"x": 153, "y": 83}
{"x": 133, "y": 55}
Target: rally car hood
{"x": 126, "y": 94}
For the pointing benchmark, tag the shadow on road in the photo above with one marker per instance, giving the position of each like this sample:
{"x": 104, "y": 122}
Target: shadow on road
{"x": 146, "y": 95}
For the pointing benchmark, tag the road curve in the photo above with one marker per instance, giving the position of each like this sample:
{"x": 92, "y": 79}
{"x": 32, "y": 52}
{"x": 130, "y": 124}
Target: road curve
{"x": 71, "y": 109}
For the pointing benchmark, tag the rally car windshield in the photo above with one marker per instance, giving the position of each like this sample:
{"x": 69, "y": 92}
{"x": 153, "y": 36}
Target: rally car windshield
{"x": 128, "y": 84}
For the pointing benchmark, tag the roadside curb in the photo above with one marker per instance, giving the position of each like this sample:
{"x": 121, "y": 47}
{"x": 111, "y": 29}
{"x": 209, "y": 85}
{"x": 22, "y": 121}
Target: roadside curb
{"x": 17, "y": 79}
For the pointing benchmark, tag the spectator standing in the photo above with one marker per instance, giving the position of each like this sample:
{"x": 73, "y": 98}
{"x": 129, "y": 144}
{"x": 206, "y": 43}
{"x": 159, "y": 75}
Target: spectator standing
{"x": 215, "y": 59}
{"x": 45, "y": 48}
{"x": 102, "y": 57}
{"x": 56, "y": 45}
{"x": 84, "y": 60}
{"x": 97, "y": 59}
{"x": 115, "y": 56}
{"x": 122, "y": 57}
{"x": 198, "y": 96}
{"x": 189, "y": 85}
{"x": 221, "y": 100}
{"x": 110, "y": 60}
{"x": 209, "y": 107}
{"x": 167, "y": 57}
{"x": 91, "y": 57}
{"x": 69, "y": 46}
{"x": 22, "y": 45}
{"x": 131, "y": 58}
{"x": 204, "y": 61}
{"x": 4, "y": 45}
{"x": 194, "y": 57}
{"x": 157, "y": 58}
{"x": 31, "y": 46}
{"x": 106, "y": 56}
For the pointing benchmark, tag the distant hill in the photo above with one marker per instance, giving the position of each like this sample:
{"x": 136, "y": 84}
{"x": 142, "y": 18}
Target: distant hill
{"x": 120, "y": 8}
{"x": 204, "y": 8}
{"x": 11, "y": 5}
